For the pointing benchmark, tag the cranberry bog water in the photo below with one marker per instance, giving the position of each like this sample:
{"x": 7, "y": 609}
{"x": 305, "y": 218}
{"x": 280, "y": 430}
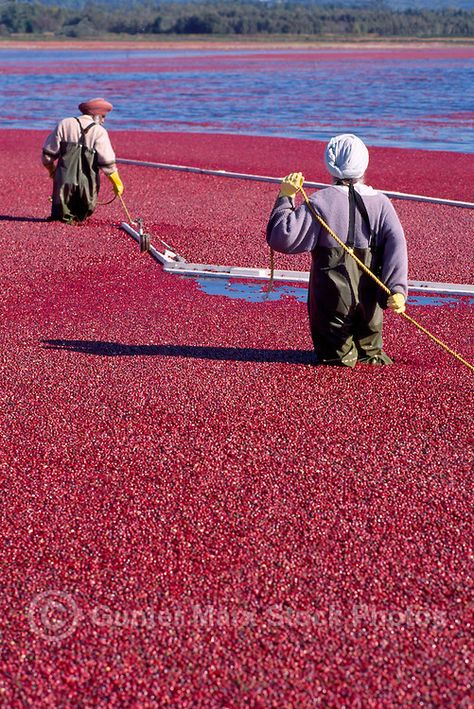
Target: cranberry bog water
{"x": 193, "y": 514}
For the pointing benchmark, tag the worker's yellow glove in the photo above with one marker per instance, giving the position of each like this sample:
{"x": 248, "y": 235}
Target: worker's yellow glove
{"x": 291, "y": 184}
{"x": 51, "y": 168}
{"x": 396, "y": 302}
{"x": 117, "y": 183}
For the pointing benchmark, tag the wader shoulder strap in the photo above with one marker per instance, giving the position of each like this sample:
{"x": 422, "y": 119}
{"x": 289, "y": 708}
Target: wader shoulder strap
{"x": 84, "y": 131}
{"x": 355, "y": 200}
{"x": 352, "y": 211}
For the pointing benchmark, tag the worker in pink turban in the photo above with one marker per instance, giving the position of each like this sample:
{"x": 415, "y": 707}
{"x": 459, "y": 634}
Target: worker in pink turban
{"x": 74, "y": 153}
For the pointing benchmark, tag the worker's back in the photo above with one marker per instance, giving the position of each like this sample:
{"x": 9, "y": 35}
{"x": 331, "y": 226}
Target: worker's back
{"x": 96, "y": 138}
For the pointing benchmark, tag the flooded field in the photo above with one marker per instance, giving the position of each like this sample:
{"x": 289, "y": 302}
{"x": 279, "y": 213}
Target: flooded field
{"x": 412, "y": 98}
{"x": 194, "y": 515}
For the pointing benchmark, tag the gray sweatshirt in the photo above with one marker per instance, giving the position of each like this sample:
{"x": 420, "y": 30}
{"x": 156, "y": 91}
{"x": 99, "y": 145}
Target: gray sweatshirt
{"x": 294, "y": 230}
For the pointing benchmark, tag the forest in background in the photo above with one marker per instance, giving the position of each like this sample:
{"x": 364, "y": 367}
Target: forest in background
{"x": 361, "y": 4}
{"x": 220, "y": 17}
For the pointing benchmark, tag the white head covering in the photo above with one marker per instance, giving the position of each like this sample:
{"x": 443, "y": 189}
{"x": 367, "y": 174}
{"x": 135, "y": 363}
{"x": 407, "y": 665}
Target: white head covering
{"x": 346, "y": 156}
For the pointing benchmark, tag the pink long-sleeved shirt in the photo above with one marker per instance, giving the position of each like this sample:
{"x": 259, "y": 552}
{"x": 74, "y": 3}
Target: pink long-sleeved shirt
{"x": 96, "y": 138}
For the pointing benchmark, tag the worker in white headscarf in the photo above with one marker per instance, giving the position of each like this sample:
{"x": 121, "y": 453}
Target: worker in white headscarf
{"x": 345, "y": 305}
{"x": 74, "y": 153}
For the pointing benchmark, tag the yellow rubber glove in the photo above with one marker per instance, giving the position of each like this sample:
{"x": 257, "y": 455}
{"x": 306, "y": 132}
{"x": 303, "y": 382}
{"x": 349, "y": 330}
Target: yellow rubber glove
{"x": 51, "y": 168}
{"x": 291, "y": 184}
{"x": 396, "y": 302}
{"x": 117, "y": 183}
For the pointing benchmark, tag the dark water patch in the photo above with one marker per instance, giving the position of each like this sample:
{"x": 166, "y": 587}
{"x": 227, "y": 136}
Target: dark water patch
{"x": 257, "y": 292}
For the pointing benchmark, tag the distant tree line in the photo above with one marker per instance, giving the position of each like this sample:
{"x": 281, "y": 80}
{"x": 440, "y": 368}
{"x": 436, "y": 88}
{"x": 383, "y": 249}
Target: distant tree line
{"x": 232, "y": 18}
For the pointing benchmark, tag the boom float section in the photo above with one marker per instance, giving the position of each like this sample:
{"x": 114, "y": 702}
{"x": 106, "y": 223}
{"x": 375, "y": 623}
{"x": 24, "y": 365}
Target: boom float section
{"x": 173, "y": 263}
{"x": 276, "y": 180}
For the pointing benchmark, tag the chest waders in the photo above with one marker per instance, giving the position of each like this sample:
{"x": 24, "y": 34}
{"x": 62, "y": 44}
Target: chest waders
{"x": 345, "y": 316}
{"x": 76, "y": 180}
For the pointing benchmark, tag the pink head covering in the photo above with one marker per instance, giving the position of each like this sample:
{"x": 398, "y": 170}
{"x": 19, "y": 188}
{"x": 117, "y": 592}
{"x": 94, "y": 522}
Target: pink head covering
{"x": 95, "y": 107}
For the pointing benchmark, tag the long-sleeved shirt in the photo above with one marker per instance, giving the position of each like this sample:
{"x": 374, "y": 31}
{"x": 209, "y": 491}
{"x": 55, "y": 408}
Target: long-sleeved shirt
{"x": 294, "y": 230}
{"x": 96, "y": 138}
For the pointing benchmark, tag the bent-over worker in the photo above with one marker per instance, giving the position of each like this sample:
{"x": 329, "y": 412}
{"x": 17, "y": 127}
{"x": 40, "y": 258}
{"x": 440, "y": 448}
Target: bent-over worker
{"x": 81, "y": 146}
{"x": 345, "y": 305}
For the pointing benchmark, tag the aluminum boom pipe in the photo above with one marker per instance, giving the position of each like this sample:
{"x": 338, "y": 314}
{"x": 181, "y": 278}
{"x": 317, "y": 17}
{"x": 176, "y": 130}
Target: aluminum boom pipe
{"x": 277, "y": 180}
{"x": 172, "y": 263}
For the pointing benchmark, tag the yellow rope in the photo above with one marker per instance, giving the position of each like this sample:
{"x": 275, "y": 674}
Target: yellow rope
{"x": 379, "y": 282}
{"x": 125, "y": 209}
{"x": 272, "y": 270}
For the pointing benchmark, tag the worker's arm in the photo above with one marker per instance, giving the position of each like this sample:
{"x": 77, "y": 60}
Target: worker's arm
{"x": 51, "y": 148}
{"x": 395, "y": 257}
{"x": 290, "y": 230}
{"x": 106, "y": 159}
{"x": 105, "y": 151}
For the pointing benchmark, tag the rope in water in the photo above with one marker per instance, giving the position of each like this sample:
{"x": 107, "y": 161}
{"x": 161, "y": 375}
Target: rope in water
{"x": 379, "y": 282}
{"x": 272, "y": 270}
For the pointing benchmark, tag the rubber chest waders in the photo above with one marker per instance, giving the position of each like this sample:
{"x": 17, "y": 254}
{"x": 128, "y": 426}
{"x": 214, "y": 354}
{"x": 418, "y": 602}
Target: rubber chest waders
{"x": 343, "y": 302}
{"x": 76, "y": 180}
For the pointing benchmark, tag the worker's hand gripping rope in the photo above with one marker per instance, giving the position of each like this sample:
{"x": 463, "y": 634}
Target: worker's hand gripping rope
{"x": 291, "y": 184}
{"x": 396, "y": 302}
{"x": 117, "y": 183}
